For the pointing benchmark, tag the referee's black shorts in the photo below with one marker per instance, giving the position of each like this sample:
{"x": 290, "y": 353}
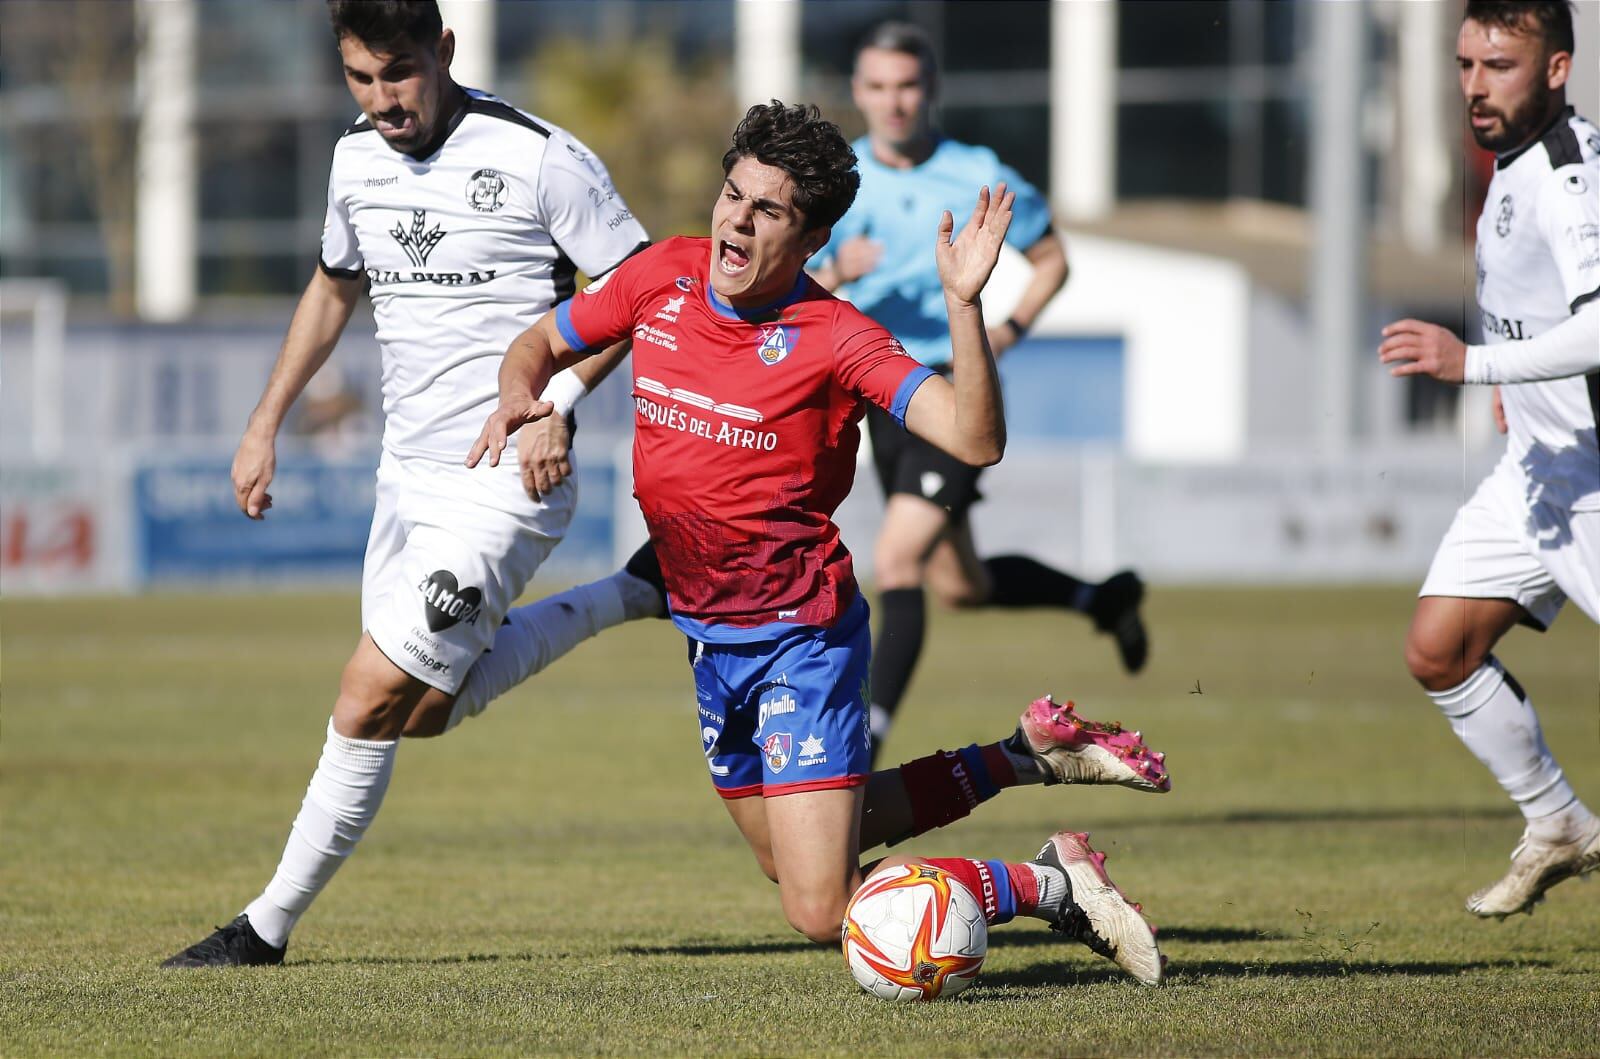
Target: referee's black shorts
{"x": 907, "y": 464}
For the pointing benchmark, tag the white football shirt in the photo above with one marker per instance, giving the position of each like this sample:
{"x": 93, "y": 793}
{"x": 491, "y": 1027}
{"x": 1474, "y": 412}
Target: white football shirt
{"x": 1538, "y": 259}
{"x": 463, "y": 251}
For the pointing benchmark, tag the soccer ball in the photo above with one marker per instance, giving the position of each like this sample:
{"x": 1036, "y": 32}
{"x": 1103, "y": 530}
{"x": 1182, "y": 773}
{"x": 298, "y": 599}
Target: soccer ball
{"x": 913, "y": 932}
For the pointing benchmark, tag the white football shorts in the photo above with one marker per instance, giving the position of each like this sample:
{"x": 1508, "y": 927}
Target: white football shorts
{"x": 1503, "y": 545}
{"x": 450, "y": 550}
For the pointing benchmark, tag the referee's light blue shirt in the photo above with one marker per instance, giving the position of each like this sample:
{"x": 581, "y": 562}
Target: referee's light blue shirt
{"x": 899, "y": 209}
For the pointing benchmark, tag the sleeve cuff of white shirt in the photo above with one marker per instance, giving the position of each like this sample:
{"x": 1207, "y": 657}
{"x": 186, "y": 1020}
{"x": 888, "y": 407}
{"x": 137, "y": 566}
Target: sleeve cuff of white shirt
{"x": 1570, "y": 348}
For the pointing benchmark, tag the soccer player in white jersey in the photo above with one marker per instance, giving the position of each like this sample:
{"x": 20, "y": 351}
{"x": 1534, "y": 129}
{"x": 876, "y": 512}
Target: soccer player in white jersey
{"x": 467, "y": 220}
{"x": 1529, "y": 538}
{"x": 881, "y": 260}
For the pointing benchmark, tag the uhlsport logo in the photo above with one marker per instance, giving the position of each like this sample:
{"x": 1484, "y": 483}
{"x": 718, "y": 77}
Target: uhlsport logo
{"x": 486, "y": 191}
{"x": 777, "y": 342}
{"x": 420, "y": 240}
{"x": 776, "y": 750}
{"x": 446, "y": 603}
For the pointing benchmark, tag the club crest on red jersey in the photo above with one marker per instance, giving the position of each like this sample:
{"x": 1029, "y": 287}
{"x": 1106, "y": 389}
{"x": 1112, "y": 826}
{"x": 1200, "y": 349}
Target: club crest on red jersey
{"x": 777, "y": 342}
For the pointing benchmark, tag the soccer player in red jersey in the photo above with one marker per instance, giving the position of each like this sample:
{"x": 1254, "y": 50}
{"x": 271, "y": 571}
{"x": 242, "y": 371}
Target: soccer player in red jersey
{"x": 749, "y": 379}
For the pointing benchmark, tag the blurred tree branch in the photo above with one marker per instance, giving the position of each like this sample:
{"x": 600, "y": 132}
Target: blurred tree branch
{"x": 660, "y": 126}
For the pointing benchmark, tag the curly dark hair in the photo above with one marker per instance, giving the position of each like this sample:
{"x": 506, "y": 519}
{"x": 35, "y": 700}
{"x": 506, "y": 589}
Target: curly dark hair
{"x": 1549, "y": 20}
{"x": 812, "y": 151}
{"x": 385, "y": 26}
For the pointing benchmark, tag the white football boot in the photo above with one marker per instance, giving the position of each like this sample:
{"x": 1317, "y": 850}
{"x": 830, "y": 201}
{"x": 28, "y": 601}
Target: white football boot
{"x": 1537, "y": 865}
{"x": 1095, "y": 912}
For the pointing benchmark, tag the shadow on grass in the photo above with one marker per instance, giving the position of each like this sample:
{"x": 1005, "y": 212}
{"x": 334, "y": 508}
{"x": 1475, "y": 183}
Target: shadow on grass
{"x": 1197, "y": 971}
{"x": 424, "y": 961}
{"x": 1030, "y": 937}
{"x": 720, "y": 948}
{"x": 1329, "y": 814}
{"x": 1218, "y": 934}
{"x": 687, "y": 948}
{"x": 1023, "y": 939}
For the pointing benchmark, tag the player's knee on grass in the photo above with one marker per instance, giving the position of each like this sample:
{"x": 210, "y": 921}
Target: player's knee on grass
{"x": 817, "y": 917}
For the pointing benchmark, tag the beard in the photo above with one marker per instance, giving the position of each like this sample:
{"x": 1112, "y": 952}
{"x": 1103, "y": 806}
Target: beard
{"x": 1517, "y": 127}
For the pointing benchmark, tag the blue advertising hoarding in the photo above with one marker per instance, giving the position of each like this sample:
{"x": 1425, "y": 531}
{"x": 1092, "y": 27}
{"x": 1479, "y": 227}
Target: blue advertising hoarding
{"x": 187, "y": 527}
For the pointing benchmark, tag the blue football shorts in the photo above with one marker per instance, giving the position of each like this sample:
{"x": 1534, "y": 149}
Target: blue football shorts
{"x": 787, "y": 715}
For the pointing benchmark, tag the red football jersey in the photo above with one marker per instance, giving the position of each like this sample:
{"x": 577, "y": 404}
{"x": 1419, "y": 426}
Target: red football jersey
{"x": 745, "y": 435}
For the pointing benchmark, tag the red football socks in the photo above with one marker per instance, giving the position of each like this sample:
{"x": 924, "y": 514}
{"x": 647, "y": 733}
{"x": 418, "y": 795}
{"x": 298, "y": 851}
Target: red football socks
{"x": 944, "y": 787}
{"x": 1004, "y": 890}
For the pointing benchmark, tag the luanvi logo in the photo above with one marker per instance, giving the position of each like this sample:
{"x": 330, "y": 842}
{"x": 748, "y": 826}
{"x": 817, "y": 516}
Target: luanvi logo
{"x": 446, "y": 603}
{"x": 419, "y": 242}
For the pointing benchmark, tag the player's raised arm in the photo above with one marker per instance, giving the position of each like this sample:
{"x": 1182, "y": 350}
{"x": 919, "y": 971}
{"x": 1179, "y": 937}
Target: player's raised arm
{"x": 319, "y": 320}
{"x": 533, "y": 357}
{"x": 544, "y": 450}
{"x": 965, "y": 417}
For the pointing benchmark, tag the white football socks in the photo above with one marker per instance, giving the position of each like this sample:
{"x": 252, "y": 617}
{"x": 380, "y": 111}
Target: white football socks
{"x": 341, "y": 800}
{"x": 1024, "y": 762}
{"x": 536, "y": 635}
{"x": 1490, "y": 714}
{"x": 1053, "y": 889}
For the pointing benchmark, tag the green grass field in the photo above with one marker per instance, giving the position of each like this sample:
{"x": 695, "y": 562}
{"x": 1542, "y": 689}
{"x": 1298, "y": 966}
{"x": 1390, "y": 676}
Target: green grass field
{"x": 556, "y": 876}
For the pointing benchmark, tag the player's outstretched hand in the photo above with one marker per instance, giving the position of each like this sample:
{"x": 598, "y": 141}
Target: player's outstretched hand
{"x": 544, "y": 452}
{"x": 253, "y": 467}
{"x": 512, "y": 413}
{"x": 1414, "y": 347}
{"x": 966, "y": 261}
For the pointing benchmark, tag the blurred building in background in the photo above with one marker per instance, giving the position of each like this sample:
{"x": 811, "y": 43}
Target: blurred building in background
{"x": 1248, "y": 189}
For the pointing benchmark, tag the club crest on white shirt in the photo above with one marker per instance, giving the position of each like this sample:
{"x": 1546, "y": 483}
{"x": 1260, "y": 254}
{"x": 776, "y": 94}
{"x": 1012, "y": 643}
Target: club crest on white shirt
{"x": 486, "y": 191}
{"x": 1502, "y": 219}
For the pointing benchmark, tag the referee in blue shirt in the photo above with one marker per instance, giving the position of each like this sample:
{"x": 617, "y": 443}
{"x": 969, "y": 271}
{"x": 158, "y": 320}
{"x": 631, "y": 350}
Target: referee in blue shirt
{"x": 881, "y": 259}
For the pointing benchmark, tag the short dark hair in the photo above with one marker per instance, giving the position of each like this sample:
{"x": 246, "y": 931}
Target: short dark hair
{"x": 1550, "y": 20}
{"x": 907, "y": 39}
{"x": 812, "y": 151}
{"x": 387, "y": 25}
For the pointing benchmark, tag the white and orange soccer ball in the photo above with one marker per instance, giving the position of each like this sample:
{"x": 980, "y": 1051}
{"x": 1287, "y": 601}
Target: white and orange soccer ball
{"x": 913, "y": 932}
